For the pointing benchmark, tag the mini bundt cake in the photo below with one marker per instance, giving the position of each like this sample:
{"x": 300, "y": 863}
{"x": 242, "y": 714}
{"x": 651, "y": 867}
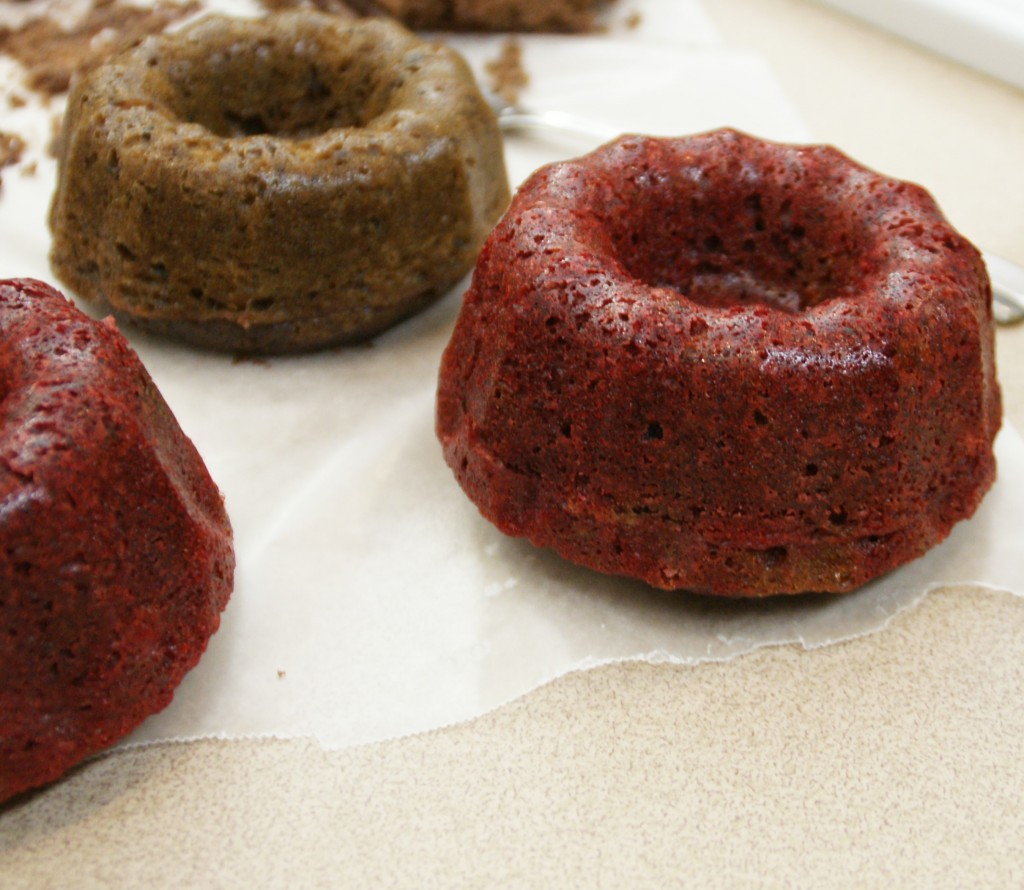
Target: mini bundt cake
{"x": 726, "y": 365}
{"x": 487, "y": 15}
{"x": 116, "y": 555}
{"x": 277, "y": 184}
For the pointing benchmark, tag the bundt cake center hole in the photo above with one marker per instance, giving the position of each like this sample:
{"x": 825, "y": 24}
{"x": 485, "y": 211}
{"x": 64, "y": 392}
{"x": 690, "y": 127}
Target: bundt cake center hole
{"x": 272, "y": 93}
{"x": 727, "y": 250}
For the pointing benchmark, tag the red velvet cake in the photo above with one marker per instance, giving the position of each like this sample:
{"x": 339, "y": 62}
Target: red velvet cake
{"x": 722, "y": 364}
{"x": 116, "y": 554}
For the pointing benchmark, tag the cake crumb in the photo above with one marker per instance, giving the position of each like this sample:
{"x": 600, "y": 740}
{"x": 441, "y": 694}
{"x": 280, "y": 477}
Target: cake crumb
{"x": 11, "y": 149}
{"x": 53, "y": 54}
{"x": 507, "y": 75}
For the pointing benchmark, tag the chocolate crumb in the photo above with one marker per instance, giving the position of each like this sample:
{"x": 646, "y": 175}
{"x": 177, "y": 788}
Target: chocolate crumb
{"x": 53, "y": 55}
{"x": 507, "y": 75}
{"x": 11, "y": 149}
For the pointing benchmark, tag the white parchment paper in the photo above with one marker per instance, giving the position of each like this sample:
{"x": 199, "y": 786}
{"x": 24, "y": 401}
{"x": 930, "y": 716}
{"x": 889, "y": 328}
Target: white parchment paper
{"x": 372, "y": 601}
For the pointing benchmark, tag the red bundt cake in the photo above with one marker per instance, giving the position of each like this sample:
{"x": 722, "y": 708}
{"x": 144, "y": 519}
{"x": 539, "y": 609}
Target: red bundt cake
{"x": 726, "y": 365}
{"x": 116, "y": 555}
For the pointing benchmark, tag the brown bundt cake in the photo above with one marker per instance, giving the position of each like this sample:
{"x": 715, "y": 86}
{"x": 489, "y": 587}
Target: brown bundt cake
{"x": 116, "y": 556}
{"x": 487, "y": 15}
{"x": 726, "y": 365}
{"x": 277, "y": 184}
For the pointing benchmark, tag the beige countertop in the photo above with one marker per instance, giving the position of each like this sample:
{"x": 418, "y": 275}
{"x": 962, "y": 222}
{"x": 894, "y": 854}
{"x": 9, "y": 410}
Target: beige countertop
{"x": 893, "y": 760}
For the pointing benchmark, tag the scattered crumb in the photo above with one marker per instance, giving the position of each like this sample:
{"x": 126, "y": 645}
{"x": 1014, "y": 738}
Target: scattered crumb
{"x": 53, "y": 54}
{"x": 16, "y": 100}
{"x": 634, "y": 20}
{"x": 280, "y": 675}
{"x": 30, "y": 169}
{"x": 507, "y": 75}
{"x": 11, "y": 148}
